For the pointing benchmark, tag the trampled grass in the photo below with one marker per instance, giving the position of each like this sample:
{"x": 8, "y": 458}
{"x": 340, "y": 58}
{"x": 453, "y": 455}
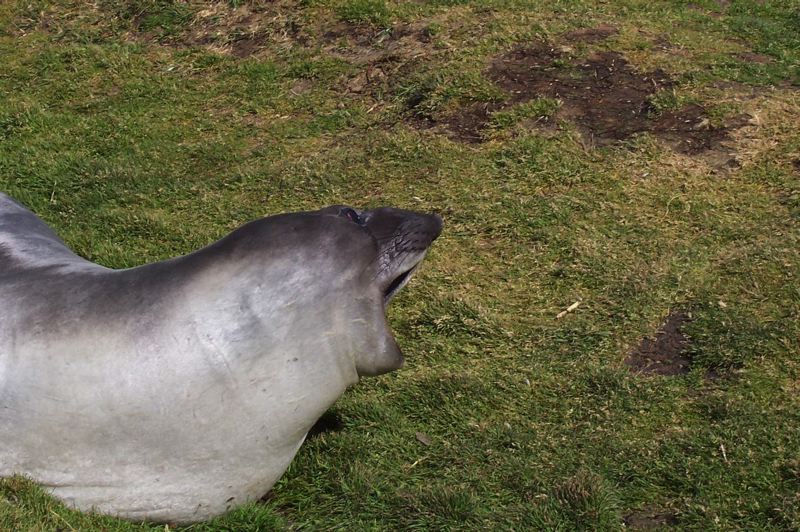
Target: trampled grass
{"x": 143, "y": 130}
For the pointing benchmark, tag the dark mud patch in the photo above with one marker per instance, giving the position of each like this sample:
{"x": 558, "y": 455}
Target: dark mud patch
{"x": 664, "y": 353}
{"x": 649, "y": 519}
{"x": 246, "y": 47}
{"x": 469, "y": 124}
{"x": 606, "y": 98}
{"x": 689, "y": 131}
{"x": 591, "y": 35}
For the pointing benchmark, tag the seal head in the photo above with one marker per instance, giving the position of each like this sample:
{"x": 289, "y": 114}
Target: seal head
{"x": 401, "y": 239}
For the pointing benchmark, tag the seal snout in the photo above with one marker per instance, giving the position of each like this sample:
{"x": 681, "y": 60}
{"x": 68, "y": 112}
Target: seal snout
{"x": 403, "y": 238}
{"x": 439, "y": 224}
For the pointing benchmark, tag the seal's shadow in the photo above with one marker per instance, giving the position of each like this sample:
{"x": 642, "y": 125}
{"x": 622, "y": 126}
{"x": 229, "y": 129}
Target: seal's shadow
{"x": 330, "y": 421}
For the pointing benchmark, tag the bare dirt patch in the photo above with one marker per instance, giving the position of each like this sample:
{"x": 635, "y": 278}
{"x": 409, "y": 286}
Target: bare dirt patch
{"x": 649, "y": 519}
{"x": 363, "y": 44}
{"x": 368, "y": 79}
{"x": 665, "y": 353}
{"x": 689, "y": 130}
{"x": 246, "y": 30}
{"x": 753, "y": 57}
{"x": 238, "y": 31}
{"x": 606, "y": 97}
{"x": 469, "y": 123}
{"x": 721, "y": 5}
{"x": 662, "y": 42}
{"x": 591, "y": 35}
{"x": 602, "y": 94}
{"x": 385, "y": 54}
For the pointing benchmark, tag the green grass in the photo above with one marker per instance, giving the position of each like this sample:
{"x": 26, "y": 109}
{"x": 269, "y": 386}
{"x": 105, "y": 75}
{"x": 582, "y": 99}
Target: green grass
{"x": 538, "y": 109}
{"x": 137, "y": 134}
{"x": 364, "y": 11}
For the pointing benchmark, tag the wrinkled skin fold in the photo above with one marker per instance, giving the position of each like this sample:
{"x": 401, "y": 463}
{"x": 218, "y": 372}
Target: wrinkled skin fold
{"x": 177, "y": 390}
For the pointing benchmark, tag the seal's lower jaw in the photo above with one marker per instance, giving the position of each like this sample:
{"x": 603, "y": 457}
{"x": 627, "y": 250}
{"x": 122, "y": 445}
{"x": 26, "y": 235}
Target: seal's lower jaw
{"x": 404, "y": 274}
{"x": 399, "y": 282}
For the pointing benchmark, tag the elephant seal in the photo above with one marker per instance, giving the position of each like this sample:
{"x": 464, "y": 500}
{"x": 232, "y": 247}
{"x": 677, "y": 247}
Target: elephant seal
{"x": 174, "y": 391}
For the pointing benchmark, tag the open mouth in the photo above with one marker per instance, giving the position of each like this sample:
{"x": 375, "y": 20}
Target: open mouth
{"x": 399, "y": 282}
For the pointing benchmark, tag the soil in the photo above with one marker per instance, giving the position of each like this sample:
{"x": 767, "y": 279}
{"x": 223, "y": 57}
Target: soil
{"x": 752, "y": 57}
{"x": 709, "y": 13}
{"x": 662, "y": 42}
{"x": 649, "y": 519}
{"x": 603, "y": 95}
{"x": 689, "y": 131}
{"x": 250, "y": 28}
{"x": 664, "y": 354}
{"x": 606, "y": 97}
{"x": 367, "y": 79}
{"x": 385, "y": 55}
{"x": 246, "y": 47}
{"x": 366, "y": 45}
{"x": 301, "y": 86}
{"x": 469, "y": 124}
{"x": 240, "y": 32}
{"x": 591, "y": 35}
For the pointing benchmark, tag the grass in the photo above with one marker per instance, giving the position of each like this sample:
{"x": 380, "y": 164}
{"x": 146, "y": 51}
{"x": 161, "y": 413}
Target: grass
{"x": 140, "y": 131}
{"x": 364, "y": 11}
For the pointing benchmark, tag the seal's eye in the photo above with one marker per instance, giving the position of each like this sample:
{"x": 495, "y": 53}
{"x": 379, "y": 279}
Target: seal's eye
{"x": 350, "y": 214}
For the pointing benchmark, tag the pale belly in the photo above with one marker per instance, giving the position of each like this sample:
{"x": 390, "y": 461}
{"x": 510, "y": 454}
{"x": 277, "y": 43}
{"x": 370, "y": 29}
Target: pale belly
{"x": 174, "y": 432}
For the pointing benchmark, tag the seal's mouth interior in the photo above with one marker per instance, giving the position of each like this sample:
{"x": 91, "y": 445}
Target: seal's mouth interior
{"x": 399, "y": 282}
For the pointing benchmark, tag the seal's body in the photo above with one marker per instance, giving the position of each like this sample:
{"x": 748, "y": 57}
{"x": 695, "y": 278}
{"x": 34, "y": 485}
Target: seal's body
{"x": 177, "y": 390}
